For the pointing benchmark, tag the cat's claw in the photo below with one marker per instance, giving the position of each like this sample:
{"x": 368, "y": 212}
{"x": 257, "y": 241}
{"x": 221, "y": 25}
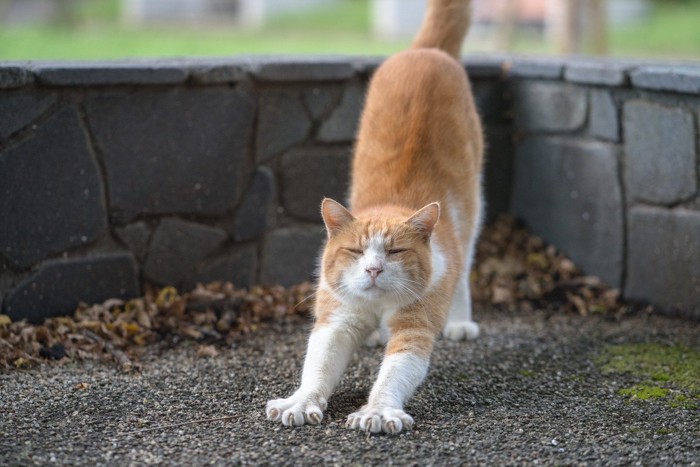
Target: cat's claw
{"x": 386, "y": 419}
{"x": 461, "y": 330}
{"x": 296, "y": 410}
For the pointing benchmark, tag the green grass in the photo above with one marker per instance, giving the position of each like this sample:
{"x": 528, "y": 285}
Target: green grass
{"x": 672, "y": 32}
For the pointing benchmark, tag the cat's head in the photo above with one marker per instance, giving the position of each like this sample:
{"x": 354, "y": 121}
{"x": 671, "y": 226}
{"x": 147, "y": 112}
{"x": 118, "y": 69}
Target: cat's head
{"x": 377, "y": 257}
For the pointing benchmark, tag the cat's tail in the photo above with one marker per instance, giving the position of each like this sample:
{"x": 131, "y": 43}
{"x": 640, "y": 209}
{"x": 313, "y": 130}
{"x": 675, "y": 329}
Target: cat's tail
{"x": 445, "y": 25}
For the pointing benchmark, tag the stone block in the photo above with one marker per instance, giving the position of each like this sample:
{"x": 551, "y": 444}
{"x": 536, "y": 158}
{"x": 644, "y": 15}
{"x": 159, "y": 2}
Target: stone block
{"x": 290, "y": 69}
{"x": 660, "y": 164}
{"x": 135, "y": 236}
{"x": 498, "y": 170}
{"x": 486, "y": 66}
{"x": 53, "y": 197}
{"x": 147, "y": 71}
{"x": 12, "y": 76}
{"x": 174, "y": 151}
{"x": 216, "y": 70}
{"x": 256, "y": 212}
{"x": 529, "y": 68}
{"x": 319, "y": 100}
{"x": 282, "y": 123}
{"x": 176, "y": 247}
{"x": 309, "y": 175}
{"x": 491, "y": 100}
{"x": 544, "y": 106}
{"x": 606, "y": 73}
{"x": 604, "y": 118}
{"x": 290, "y": 255}
{"x": 680, "y": 78}
{"x": 664, "y": 258}
{"x": 238, "y": 267}
{"x": 59, "y": 285}
{"x": 19, "y": 110}
{"x": 343, "y": 122}
{"x": 567, "y": 192}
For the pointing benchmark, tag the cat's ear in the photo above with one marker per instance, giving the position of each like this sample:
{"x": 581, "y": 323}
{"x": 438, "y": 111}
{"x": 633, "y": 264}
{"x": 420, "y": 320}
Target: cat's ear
{"x": 335, "y": 216}
{"x": 425, "y": 219}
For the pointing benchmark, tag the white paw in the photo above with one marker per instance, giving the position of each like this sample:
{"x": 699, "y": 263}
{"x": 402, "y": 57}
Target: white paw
{"x": 375, "y": 339}
{"x": 386, "y": 419}
{"x": 460, "y": 330}
{"x": 296, "y": 410}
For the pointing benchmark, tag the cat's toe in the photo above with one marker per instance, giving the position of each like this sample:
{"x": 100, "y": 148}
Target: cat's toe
{"x": 388, "y": 420}
{"x": 296, "y": 411}
{"x": 461, "y": 330}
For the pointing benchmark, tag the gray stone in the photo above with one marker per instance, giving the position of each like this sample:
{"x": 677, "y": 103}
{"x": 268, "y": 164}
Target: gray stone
{"x": 135, "y": 236}
{"x": 342, "y": 124}
{"x": 321, "y": 99}
{"x": 606, "y": 73}
{"x": 286, "y": 69}
{"x": 660, "y": 144}
{"x": 12, "y": 76}
{"x": 52, "y": 192}
{"x": 176, "y": 248}
{"x": 491, "y": 101}
{"x": 282, "y": 123}
{"x": 485, "y": 66}
{"x": 664, "y": 258}
{"x": 176, "y": 151}
{"x": 543, "y": 106}
{"x": 366, "y": 66}
{"x": 567, "y": 191}
{"x": 216, "y": 71}
{"x": 256, "y": 213}
{"x": 19, "y": 110}
{"x": 109, "y": 73}
{"x": 290, "y": 255}
{"x": 498, "y": 171}
{"x": 682, "y": 78}
{"x": 604, "y": 118}
{"x": 309, "y": 175}
{"x": 59, "y": 285}
{"x": 238, "y": 267}
{"x": 529, "y": 68}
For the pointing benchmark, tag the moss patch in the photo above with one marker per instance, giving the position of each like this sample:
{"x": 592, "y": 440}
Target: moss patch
{"x": 662, "y": 369}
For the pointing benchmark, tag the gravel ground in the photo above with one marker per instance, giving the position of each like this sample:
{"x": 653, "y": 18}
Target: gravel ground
{"x": 527, "y": 391}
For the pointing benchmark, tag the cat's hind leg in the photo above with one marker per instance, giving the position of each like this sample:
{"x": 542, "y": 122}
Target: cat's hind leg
{"x": 459, "y": 320}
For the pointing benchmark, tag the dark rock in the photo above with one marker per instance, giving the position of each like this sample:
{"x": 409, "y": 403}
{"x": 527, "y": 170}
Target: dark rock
{"x": 55, "y": 352}
{"x": 343, "y": 122}
{"x": 543, "y": 106}
{"x": 19, "y": 110}
{"x": 606, "y": 73}
{"x": 282, "y": 123}
{"x": 660, "y": 164}
{"x": 485, "y": 66}
{"x": 664, "y": 258}
{"x": 309, "y": 175}
{"x": 530, "y": 68}
{"x": 604, "y": 119}
{"x": 681, "y": 78}
{"x": 320, "y": 100}
{"x": 109, "y": 73}
{"x": 567, "y": 191}
{"x": 290, "y": 255}
{"x": 286, "y": 69}
{"x": 176, "y": 248}
{"x": 61, "y": 284}
{"x": 177, "y": 151}
{"x": 238, "y": 267}
{"x": 52, "y": 191}
{"x": 256, "y": 213}
{"x": 491, "y": 101}
{"x": 14, "y": 76}
{"x": 135, "y": 236}
{"x": 216, "y": 71}
{"x": 498, "y": 171}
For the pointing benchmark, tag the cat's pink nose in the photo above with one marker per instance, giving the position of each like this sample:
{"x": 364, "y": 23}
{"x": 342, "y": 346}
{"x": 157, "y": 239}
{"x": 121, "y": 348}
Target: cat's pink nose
{"x": 374, "y": 271}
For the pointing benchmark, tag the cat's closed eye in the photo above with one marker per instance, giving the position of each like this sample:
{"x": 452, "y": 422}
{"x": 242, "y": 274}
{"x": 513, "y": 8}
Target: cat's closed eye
{"x": 353, "y": 251}
{"x": 396, "y": 251}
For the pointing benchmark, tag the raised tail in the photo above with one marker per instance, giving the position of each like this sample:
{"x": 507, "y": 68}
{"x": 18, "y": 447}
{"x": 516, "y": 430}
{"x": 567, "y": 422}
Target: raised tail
{"x": 445, "y": 25}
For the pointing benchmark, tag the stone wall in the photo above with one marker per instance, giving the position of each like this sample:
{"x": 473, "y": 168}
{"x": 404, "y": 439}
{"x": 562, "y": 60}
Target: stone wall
{"x": 172, "y": 172}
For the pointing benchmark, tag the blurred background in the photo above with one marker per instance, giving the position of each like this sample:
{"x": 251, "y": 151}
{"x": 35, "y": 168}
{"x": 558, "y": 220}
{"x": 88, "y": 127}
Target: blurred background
{"x": 108, "y": 29}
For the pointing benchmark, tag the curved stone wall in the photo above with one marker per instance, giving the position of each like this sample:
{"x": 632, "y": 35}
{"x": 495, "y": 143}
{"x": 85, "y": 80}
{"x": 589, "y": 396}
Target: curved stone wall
{"x": 172, "y": 172}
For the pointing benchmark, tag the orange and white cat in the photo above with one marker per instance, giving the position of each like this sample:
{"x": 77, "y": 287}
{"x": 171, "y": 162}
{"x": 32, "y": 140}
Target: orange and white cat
{"x": 395, "y": 268}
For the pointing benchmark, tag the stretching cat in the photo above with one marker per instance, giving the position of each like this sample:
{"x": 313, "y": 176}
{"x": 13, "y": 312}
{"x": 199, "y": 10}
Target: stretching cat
{"x": 390, "y": 272}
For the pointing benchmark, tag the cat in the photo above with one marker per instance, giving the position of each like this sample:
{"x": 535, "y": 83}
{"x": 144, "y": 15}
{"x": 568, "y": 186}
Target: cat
{"x": 395, "y": 268}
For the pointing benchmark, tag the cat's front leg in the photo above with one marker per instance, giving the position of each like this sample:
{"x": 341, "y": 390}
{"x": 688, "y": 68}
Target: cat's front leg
{"x": 403, "y": 369}
{"x": 328, "y": 353}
